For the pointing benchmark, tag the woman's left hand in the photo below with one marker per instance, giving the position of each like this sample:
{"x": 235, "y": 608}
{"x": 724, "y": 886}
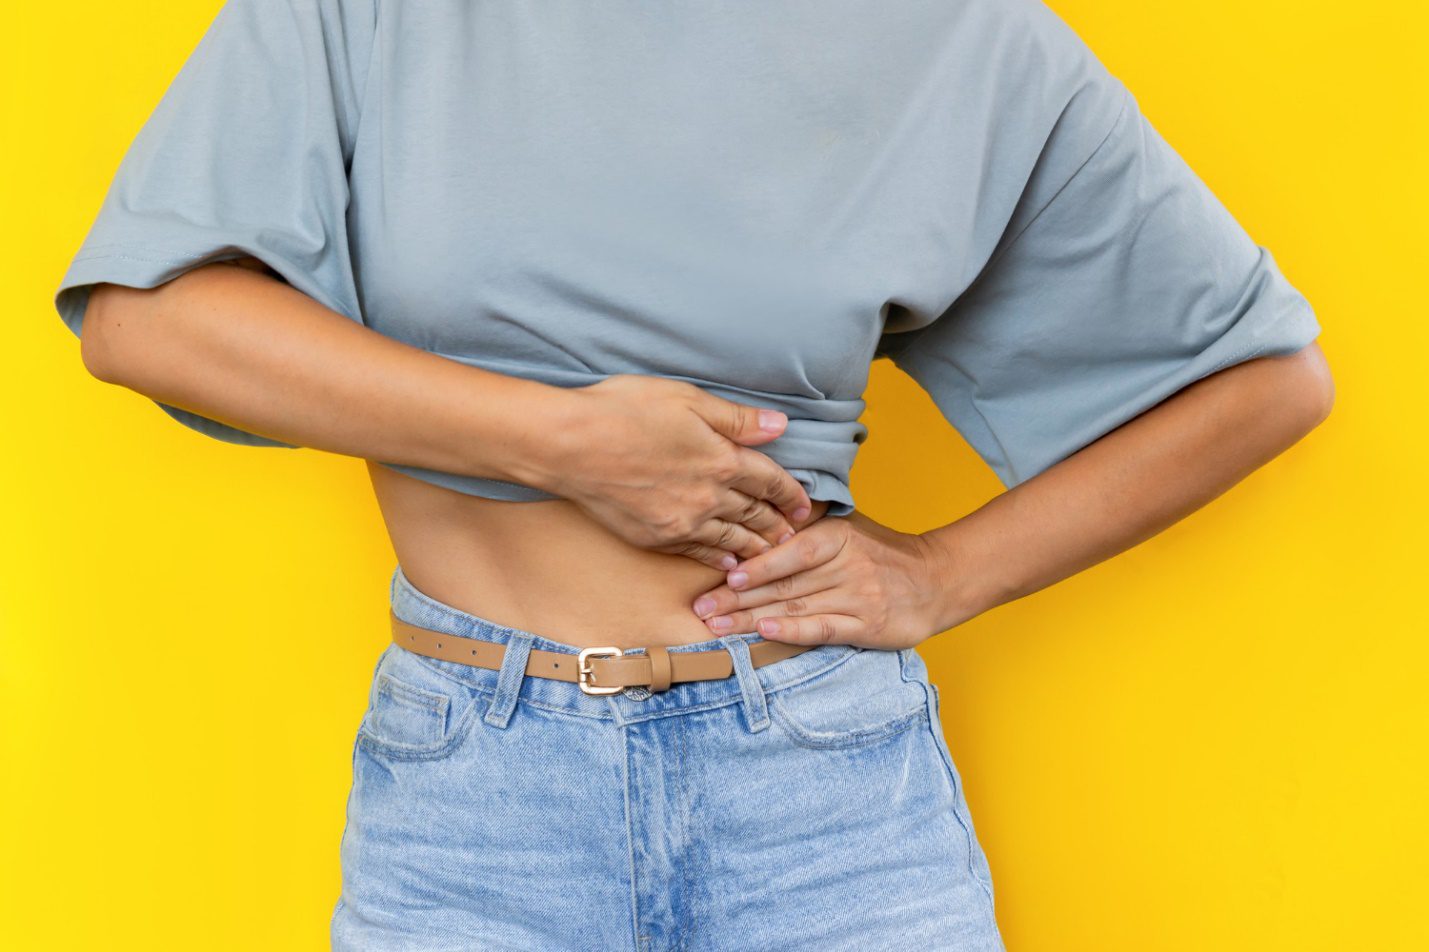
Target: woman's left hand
{"x": 841, "y": 580}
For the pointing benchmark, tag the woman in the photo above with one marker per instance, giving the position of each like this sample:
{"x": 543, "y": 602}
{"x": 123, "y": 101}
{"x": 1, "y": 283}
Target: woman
{"x": 547, "y": 267}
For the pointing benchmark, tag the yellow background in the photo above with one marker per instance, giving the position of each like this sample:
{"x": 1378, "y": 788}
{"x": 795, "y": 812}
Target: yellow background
{"x": 1214, "y": 741}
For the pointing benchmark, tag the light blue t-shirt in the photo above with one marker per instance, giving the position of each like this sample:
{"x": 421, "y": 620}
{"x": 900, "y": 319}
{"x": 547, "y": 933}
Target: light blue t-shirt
{"x": 757, "y": 198}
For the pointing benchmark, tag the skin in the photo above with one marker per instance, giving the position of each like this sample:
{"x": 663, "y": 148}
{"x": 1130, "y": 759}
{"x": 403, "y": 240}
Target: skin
{"x": 658, "y": 478}
{"x": 859, "y": 582}
{"x": 235, "y": 343}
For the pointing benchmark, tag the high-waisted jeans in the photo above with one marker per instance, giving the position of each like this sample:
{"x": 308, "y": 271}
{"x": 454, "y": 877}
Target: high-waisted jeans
{"x": 808, "y": 804}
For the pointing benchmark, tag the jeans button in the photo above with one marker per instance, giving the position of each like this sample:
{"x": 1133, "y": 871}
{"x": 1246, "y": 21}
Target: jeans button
{"x": 638, "y": 692}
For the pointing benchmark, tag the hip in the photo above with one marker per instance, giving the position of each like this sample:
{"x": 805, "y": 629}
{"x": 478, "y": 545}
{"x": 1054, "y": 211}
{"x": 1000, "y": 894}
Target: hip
{"x": 810, "y": 803}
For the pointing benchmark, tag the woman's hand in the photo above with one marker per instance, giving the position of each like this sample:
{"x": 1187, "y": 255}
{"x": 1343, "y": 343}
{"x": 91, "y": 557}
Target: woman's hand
{"x": 665, "y": 465}
{"x": 842, "y": 580}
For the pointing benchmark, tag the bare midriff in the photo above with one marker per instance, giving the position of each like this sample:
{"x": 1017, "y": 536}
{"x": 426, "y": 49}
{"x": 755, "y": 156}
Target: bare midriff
{"x": 544, "y": 567}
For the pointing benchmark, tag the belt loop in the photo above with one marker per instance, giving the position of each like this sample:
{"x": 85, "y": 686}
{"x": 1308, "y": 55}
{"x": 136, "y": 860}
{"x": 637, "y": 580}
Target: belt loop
{"x": 509, "y": 679}
{"x": 756, "y": 712}
{"x": 659, "y": 668}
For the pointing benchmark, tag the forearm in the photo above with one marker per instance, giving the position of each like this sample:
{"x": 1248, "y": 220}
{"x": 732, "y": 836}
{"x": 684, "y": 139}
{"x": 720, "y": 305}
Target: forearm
{"x": 243, "y": 348}
{"x": 1131, "y": 484}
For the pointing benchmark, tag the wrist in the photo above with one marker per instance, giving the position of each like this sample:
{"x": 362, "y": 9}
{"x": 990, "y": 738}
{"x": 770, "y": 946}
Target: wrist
{"x": 964, "y": 586}
{"x": 544, "y": 432}
{"x": 513, "y": 429}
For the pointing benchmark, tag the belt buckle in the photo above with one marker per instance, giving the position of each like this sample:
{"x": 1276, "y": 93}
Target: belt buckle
{"x": 583, "y": 671}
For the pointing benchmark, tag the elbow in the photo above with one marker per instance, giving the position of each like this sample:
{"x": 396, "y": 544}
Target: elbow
{"x": 92, "y": 350}
{"x": 1322, "y": 385}
{"x": 1309, "y": 387}
{"x": 104, "y": 314}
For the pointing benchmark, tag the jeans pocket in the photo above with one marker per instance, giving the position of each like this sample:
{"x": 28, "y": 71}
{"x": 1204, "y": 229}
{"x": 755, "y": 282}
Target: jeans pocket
{"x": 859, "y": 700}
{"x": 414, "y": 711}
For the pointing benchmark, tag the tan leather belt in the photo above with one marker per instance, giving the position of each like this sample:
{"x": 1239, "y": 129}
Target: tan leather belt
{"x": 603, "y": 670}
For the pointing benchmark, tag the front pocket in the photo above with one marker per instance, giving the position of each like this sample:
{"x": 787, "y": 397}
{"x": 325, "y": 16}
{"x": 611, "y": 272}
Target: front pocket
{"x": 862, "y": 699}
{"x": 406, "y": 714}
{"x": 414, "y": 712}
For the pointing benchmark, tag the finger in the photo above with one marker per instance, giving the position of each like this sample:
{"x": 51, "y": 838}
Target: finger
{"x": 757, "y": 516}
{"x": 812, "y": 547}
{"x": 740, "y": 422}
{"x": 803, "y": 597}
{"x": 718, "y": 533}
{"x": 715, "y": 558}
{"x": 761, "y": 477}
{"x": 723, "y": 600}
{"x": 813, "y": 629}
{"x": 816, "y": 624}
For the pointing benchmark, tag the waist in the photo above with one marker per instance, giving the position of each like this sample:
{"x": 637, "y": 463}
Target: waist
{"x": 542, "y": 566}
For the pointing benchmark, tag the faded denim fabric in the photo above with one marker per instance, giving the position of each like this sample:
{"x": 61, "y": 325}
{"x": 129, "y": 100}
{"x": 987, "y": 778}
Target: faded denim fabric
{"x": 810, "y": 804}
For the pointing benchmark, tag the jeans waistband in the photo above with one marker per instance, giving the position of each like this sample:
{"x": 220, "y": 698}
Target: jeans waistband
{"x": 418, "y": 608}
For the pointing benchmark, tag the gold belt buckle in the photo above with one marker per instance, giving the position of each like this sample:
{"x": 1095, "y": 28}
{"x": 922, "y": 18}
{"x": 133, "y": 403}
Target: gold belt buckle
{"x": 583, "y": 671}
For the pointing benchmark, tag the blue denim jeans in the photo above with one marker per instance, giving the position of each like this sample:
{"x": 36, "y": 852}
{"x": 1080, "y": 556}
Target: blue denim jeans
{"x": 808, "y": 804}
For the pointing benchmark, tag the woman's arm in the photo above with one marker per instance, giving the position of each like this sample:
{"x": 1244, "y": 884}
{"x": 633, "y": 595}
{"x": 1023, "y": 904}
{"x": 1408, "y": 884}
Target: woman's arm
{"x": 245, "y": 349}
{"x": 234, "y": 344}
{"x": 1129, "y": 485}
{"x": 855, "y": 581}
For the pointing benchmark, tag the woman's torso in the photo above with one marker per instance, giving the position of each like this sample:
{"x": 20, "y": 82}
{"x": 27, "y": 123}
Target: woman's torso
{"x": 750, "y": 198}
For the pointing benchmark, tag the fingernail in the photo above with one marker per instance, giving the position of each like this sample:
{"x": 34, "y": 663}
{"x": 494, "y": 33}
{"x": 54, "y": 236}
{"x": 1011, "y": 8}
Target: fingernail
{"x": 786, "y": 537}
{"x": 704, "y": 605}
{"x": 769, "y": 626}
{"x": 771, "y": 421}
{"x": 728, "y": 562}
{"x": 721, "y": 622}
{"x": 737, "y": 579}
{"x": 801, "y": 513}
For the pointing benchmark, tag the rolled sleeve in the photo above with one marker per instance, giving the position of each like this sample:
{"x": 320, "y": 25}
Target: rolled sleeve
{"x": 246, "y": 154}
{"x": 1131, "y": 282}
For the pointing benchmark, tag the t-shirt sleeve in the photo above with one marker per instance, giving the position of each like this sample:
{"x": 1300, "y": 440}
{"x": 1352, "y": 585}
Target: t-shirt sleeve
{"x": 246, "y": 154}
{"x": 1111, "y": 289}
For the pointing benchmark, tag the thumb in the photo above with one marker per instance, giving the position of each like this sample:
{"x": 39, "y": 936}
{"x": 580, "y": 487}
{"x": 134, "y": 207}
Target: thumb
{"x": 744, "y": 424}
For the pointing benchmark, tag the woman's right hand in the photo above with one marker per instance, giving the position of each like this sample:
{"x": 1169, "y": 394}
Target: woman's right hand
{"x": 666, "y": 466}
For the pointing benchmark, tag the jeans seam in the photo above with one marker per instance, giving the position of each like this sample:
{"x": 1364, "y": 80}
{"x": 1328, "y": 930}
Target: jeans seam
{"x": 461, "y": 730}
{"x": 355, "y": 846}
{"x": 641, "y": 941}
{"x": 930, "y": 694}
{"x": 836, "y": 740}
{"x": 403, "y": 693}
